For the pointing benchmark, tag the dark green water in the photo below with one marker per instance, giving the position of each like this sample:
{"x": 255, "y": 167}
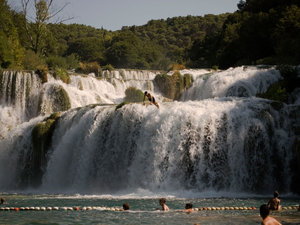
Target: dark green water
{"x": 142, "y": 211}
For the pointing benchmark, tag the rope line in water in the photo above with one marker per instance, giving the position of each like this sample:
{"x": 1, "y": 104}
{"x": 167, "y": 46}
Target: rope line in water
{"x": 85, "y": 208}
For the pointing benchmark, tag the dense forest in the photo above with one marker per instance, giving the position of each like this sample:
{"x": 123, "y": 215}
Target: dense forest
{"x": 259, "y": 32}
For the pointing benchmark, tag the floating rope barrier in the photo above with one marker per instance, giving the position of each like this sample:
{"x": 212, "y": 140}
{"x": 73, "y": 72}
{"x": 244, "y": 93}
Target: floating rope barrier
{"x": 87, "y": 208}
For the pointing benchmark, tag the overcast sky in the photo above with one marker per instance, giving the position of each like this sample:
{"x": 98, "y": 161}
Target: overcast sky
{"x": 113, "y": 14}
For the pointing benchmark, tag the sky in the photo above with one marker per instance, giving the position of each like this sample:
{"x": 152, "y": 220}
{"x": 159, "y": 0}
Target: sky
{"x": 114, "y": 14}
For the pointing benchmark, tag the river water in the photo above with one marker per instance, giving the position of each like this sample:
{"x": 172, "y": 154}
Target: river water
{"x": 142, "y": 210}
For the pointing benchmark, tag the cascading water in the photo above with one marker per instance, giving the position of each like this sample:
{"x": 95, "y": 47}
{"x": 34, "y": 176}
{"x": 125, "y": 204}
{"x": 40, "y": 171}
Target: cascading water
{"x": 228, "y": 144}
{"x": 240, "y": 82}
{"x": 24, "y": 97}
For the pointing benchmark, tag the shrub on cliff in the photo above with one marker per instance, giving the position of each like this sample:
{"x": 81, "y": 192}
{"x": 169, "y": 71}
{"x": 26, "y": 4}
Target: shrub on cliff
{"x": 62, "y": 74}
{"x": 176, "y": 66}
{"x": 108, "y": 67}
{"x": 42, "y": 72}
{"x": 275, "y": 92}
{"x": 133, "y": 95}
{"x": 281, "y": 90}
{"x": 173, "y": 86}
{"x": 92, "y": 67}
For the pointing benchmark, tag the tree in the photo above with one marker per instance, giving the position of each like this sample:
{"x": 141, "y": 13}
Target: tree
{"x": 11, "y": 52}
{"x": 36, "y": 20}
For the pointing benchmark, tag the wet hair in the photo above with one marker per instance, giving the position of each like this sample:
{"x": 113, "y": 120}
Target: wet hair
{"x": 145, "y": 92}
{"x": 188, "y": 206}
{"x": 264, "y": 211}
{"x": 3, "y": 200}
{"x": 276, "y": 194}
{"x": 126, "y": 206}
{"x": 162, "y": 201}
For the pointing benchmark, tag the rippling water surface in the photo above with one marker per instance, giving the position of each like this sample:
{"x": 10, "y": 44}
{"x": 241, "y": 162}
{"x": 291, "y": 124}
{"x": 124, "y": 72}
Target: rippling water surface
{"x": 142, "y": 211}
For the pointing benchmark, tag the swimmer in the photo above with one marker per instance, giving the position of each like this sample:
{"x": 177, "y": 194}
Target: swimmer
{"x": 264, "y": 213}
{"x": 274, "y": 203}
{"x": 188, "y": 207}
{"x": 3, "y": 201}
{"x": 150, "y": 98}
{"x": 162, "y": 202}
{"x": 126, "y": 206}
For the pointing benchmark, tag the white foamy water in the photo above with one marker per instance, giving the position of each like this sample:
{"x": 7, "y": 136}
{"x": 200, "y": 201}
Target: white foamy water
{"x": 200, "y": 145}
{"x": 241, "y": 82}
{"x": 207, "y": 143}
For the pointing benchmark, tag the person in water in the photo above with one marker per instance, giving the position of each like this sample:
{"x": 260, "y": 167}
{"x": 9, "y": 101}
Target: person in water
{"x": 150, "y": 98}
{"x": 126, "y": 206}
{"x": 264, "y": 213}
{"x": 274, "y": 203}
{"x": 162, "y": 202}
{"x": 3, "y": 201}
{"x": 188, "y": 207}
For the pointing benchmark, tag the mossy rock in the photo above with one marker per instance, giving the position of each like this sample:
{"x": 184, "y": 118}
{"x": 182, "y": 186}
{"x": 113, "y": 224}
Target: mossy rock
{"x": 121, "y": 105}
{"x": 133, "y": 95}
{"x": 42, "y": 72}
{"x": 277, "y": 105}
{"x": 62, "y": 74}
{"x": 41, "y": 138}
{"x": 173, "y": 86}
{"x": 275, "y": 92}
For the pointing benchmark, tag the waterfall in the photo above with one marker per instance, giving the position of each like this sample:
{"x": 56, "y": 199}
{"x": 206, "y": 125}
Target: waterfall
{"x": 241, "y": 82}
{"x": 220, "y": 138}
{"x": 20, "y": 91}
{"x": 24, "y": 97}
{"x": 221, "y": 144}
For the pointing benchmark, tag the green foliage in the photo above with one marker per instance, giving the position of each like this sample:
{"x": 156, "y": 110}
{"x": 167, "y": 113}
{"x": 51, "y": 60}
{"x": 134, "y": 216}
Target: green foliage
{"x": 11, "y": 52}
{"x": 133, "y": 95}
{"x": 260, "y": 32}
{"x": 187, "y": 80}
{"x": 215, "y": 67}
{"x": 62, "y": 74}
{"x": 291, "y": 77}
{"x": 32, "y": 61}
{"x": 68, "y": 62}
{"x": 175, "y": 35}
{"x": 88, "y": 49}
{"x": 173, "y": 86}
{"x": 280, "y": 90}
{"x": 108, "y": 67}
{"x": 275, "y": 92}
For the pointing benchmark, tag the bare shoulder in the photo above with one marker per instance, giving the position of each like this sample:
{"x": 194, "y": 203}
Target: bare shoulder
{"x": 270, "y": 221}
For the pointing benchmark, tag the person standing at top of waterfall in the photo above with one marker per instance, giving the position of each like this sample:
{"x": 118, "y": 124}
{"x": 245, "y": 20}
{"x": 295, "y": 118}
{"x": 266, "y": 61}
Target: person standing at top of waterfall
{"x": 264, "y": 213}
{"x": 162, "y": 202}
{"x": 150, "y": 98}
{"x": 274, "y": 203}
